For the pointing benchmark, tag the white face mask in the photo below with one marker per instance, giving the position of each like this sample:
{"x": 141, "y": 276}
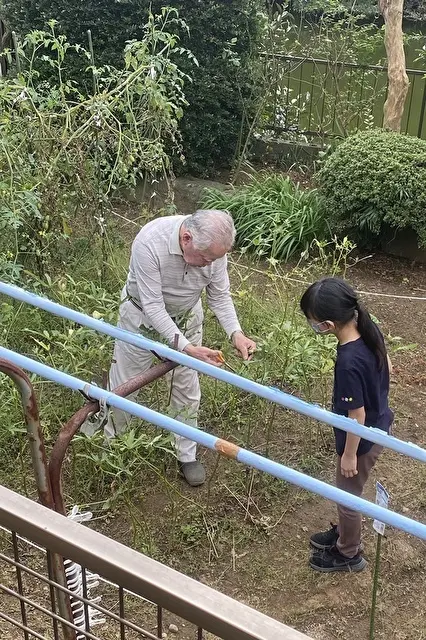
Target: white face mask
{"x": 316, "y": 326}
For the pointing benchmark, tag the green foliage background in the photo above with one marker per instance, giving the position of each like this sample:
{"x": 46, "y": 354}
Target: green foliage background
{"x": 223, "y": 36}
{"x": 376, "y": 179}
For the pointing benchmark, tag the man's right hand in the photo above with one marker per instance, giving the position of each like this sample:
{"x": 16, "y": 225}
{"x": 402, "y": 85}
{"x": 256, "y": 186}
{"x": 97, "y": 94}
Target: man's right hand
{"x": 211, "y": 356}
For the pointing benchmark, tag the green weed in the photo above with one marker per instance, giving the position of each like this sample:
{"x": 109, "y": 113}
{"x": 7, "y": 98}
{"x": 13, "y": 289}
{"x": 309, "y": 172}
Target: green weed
{"x": 122, "y": 476}
{"x": 273, "y": 216}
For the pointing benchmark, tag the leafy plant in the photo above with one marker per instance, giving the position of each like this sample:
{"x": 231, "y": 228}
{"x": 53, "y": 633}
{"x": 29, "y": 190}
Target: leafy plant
{"x": 327, "y": 256}
{"x": 337, "y": 34}
{"x": 376, "y": 179}
{"x": 124, "y": 456}
{"x": 64, "y": 153}
{"x": 412, "y": 10}
{"x": 223, "y": 36}
{"x": 273, "y": 216}
{"x": 290, "y": 356}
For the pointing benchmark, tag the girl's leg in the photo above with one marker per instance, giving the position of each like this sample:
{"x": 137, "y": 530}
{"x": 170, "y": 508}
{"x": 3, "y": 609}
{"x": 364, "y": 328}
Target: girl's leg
{"x": 350, "y": 521}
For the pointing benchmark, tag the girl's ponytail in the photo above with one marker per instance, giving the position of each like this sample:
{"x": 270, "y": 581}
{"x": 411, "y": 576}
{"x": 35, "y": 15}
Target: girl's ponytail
{"x": 334, "y": 299}
{"x": 371, "y": 335}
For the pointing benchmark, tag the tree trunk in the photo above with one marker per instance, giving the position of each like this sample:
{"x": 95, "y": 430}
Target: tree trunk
{"x": 397, "y": 75}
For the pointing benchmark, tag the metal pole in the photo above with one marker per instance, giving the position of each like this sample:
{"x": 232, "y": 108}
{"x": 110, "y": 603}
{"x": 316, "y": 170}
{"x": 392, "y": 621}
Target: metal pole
{"x": 422, "y": 110}
{"x": 225, "y": 448}
{"x": 268, "y": 393}
{"x": 35, "y": 435}
{"x": 41, "y": 472}
{"x": 375, "y": 586}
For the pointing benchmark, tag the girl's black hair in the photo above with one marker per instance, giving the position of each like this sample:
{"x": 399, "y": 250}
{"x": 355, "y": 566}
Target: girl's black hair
{"x": 334, "y": 299}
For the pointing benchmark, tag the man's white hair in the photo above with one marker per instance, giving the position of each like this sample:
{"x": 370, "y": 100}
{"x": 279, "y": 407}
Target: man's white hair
{"x": 211, "y": 226}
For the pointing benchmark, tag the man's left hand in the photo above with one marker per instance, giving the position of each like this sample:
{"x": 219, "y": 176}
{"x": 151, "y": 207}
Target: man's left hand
{"x": 244, "y": 345}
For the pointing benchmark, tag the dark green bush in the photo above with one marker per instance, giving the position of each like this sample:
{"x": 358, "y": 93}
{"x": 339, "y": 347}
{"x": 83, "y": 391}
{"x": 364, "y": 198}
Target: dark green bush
{"x": 374, "y": 180}
{"x": 223, "y": 36}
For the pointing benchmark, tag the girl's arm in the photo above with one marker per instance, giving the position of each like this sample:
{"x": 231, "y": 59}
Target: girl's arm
{"x": 349, "y": 461}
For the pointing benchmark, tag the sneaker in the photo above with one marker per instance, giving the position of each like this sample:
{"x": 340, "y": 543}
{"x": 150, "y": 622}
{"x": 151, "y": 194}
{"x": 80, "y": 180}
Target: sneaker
{"x": 193, "y": 472}
{"x": 332, "y": 560}
{"x": 325, "y": 539}
{"x": 96, "y": 421}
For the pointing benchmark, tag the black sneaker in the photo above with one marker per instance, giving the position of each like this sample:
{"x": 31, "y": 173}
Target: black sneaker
{"x": 325, "y": 539}
{"x": 332, "y": 560}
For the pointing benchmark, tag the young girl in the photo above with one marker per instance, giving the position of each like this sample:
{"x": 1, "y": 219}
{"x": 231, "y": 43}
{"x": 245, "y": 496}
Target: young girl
{"x": 361, "y": 388}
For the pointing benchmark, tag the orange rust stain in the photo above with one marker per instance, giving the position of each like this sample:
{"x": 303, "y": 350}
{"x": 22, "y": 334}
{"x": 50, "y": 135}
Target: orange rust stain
{"x": 227, "y": 448}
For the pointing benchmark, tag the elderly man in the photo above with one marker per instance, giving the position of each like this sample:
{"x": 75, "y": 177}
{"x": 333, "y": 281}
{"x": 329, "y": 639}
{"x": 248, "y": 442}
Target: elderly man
{"x": 174, "y": 259}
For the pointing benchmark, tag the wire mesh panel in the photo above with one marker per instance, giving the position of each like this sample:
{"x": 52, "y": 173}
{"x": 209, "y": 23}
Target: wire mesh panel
{"x": 101, "y": 609}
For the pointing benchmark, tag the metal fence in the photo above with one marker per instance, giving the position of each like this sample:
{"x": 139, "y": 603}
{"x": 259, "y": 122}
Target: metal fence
{"x": 131, "y": 595}
{"x": 324, "y": 99}
{"x": 318, "y": 98}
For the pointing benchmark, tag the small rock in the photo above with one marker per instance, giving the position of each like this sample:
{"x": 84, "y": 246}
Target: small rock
{"x": 173, "y": 628}
{"x": 164, "y": 636}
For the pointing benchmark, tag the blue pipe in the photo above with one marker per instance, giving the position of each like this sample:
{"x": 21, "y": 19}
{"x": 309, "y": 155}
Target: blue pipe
{"x": 268, "y": 393}
{"x": 212, "y": 442}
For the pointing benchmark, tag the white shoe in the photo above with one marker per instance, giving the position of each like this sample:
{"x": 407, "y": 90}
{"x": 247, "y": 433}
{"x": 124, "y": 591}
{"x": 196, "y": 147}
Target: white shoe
{"x": 96, "y": 421}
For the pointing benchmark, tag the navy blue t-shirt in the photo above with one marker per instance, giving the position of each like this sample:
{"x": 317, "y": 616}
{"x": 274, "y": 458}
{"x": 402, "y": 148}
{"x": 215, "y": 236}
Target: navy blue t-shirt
{"x": 358, "y": 382}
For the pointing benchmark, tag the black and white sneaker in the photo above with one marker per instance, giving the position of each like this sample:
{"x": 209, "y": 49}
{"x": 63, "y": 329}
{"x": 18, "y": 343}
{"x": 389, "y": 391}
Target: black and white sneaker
{"x": 95, "y": 421}
{"x": 332, "y": 560}
{"x": 325, "y": 539}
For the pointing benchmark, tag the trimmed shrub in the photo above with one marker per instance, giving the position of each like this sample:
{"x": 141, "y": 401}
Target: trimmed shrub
{"x": 376, "y": 179}
{"x": 273, "y": 216}
{"x": 223, "y": 36}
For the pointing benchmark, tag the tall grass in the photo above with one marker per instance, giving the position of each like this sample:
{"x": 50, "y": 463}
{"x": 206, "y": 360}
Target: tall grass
{"x": 273, "y": 216}
{"x": 289, "y": 355}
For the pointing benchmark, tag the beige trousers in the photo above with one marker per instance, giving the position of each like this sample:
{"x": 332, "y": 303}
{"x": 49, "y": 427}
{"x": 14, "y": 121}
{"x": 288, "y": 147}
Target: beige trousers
{"x": 129, "y": 361}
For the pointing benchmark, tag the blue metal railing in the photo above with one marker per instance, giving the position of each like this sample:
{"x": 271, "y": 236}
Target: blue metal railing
{"x": 268, "y": 393}
{"x": 212, "y": 442}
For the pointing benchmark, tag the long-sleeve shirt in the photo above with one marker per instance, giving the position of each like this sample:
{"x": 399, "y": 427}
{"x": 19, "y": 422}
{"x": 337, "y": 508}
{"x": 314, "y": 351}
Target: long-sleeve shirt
{"x": 165, "y": 286}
